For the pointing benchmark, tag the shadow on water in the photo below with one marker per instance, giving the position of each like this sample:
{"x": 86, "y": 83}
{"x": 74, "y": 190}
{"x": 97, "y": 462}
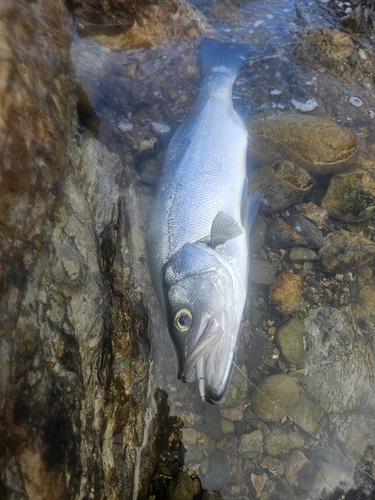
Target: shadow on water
{"x": 128, "y": 98}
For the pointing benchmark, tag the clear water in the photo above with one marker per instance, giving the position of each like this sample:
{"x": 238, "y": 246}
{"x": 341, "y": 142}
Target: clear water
{"x": 131, "y": 89}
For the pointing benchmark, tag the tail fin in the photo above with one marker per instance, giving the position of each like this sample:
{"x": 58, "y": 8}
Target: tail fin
{"x": 216, "y": 55}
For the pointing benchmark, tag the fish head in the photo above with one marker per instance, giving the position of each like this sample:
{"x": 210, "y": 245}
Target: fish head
{"x": 203, "y": 317}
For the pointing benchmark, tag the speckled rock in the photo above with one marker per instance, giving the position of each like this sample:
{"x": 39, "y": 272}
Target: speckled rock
{"x": 232, "y": 413}
{"x": 290, "y": 340}
{"x": 281, "y": 394}
{"x": 227, "y": 426}
{"x": 350, "y": 196}
{"x": 307, "y": 413}
{"x": 339, "y": 363}
{"x": 261, "y": 272}
{"x": 189, "y": 435}
{"x": 285, "y": 293}
{"x": 345, "y": 251}
{"x": 250, "y": 445}
{"x": 258, "y": 481}
{"x": 315, "y": 144}
{"x": 313, "y": 213}
{"x": 301, "y": 254}
{"x": 181, "y": 487}
{"x": 282, "y": 185}
{"x": 228, "y": 444}
{"x": 275, "y": 443}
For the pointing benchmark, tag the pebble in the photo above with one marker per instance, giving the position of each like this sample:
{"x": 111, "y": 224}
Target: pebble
{"x": 160, "y": 128}
{"x": 275, "y": 443}
{"x": 227, "y": 426}
{"x": 258, "y": 482}
{"x": 350, "y": 197}
{"x": 125, "y": 126}
{"x": 344, "y": 251}
{"x": 301, "y": 254}
{"x": 189, "y": 435}
{"x": 306, "y": 106}
{"x": 279, "y": 393}
{"x": 290, "y": 340}
{"x": 261, "y": 272}
{"x": 285, "y": 293}
{"x": 228, "y": 445}
{"x": 250, "y": 445}
{"x": 218, "y": 474}
{"x": 232, "y": 413}
{"x": 271, "y": 463}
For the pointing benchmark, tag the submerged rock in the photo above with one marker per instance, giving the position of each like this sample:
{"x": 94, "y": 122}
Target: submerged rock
{"x": 290, "y": 340}
{"x": 317, "y": 145}
{"x": 261, "y": 272}
{"x": 282, "y": 185}
{"x": 350, "y": 197}
{"x": 285, "y": 293}
{"x": 281, "y": 235}
{"x": 281, "y": 393}
{"x": 313, "y": 213}
{"x": 307, "y": 413}
{"x": 311, "y": 234}
{"x": 300, "y": 254}
{"x": 251, "y": 445}
{"x": 181, "y": 487}
{"x": 344, "y": 251}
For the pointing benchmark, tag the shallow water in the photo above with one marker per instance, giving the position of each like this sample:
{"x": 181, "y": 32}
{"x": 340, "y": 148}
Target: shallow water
{"x": 130, "y": 90}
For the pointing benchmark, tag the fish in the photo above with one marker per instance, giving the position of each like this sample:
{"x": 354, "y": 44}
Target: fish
{"x": 199, "y": 226}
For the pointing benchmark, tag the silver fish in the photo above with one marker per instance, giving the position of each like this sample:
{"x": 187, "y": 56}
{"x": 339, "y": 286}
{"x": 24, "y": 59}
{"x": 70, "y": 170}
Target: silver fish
{"x": 199, "y": 223}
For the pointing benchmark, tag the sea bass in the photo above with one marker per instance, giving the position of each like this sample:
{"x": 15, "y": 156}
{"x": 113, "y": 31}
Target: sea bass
{"x": 199, "y": 223}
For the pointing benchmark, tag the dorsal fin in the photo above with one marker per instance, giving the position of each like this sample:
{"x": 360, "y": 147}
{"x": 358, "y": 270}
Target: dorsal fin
{"x": 224, "y": 228}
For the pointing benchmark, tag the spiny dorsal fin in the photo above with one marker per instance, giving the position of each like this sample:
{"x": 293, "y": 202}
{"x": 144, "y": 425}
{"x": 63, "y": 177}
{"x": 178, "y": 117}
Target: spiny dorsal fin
{"x": 224, "y": 228}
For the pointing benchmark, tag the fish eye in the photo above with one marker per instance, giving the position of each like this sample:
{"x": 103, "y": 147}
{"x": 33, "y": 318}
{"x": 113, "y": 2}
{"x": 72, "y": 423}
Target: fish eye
{"x": 183, "y": 320}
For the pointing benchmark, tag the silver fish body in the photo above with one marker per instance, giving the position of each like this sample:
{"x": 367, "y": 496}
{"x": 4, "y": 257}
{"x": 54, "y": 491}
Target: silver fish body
{"x": 197, "y": 241}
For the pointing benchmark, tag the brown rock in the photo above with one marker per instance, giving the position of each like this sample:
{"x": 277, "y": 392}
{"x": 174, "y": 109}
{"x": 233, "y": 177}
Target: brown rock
{"x": 313, "y": 213}
{"x": 286, "y": 293}
{"x": 234, "y": 414}
{"x": 345, "y": 251}
{"x": 350, "y": 197}
{"x": 319, "y": 146}
{"x": 296, "y": 462}
{"x": 258, "y": 482}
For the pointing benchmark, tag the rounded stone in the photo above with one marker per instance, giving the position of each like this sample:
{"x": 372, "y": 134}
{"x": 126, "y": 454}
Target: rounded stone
{"x": 320, "y": 146}
{"x": 301, "y": 254}
{"x": 282, "y": 184}
{"x": 257, "y": 234}
{"x": 189, "y": 435}
{"x": 350, "y": 197}
{"x": 290, "y": 340}
{"x": 286, "y": 293}
{"x": 251, "y": 445}
{"x": 181, "y": 487}
{"x": 261, "y": 272}
{"x": 227, "y": 426}
{"x": 276, "y": 396}
{"x": 307, "y": 413}
{"x": 275, "y": 442}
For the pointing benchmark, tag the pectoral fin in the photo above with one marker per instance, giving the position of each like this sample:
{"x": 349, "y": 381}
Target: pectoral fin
{"x": 224, "y": 228}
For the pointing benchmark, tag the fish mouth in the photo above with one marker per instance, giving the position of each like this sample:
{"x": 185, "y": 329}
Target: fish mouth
{"x": 210, "y": 335}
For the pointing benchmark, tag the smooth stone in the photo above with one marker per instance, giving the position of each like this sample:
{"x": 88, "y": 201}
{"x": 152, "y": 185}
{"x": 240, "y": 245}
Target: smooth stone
{"x": 232, "y": 413}
{"x": 280, "y": 395}
{"x": 350, "y": 197}
{"x": 256, "y": 349}
{"x": 261, "y": 272}
{"x": 290, "y": 340}
{"x": 285, "y": 293}
{"x": 307, "y": 413}
{"x": 192, "y": 455}
{"x": 189, "y": 435}
{"x": 181, "y": 487}
{"x": 296, "y": 462}
{"x": 283, "y": 184}
{"x": 250, "y": 445}
{"x": 212, "y": 420}
{"x": 301, "y": 254}
{"x": 275, "y": 443}
{"x": 227, "y": 426}
{"x": 309, "y": 231}
{"x": 318, "y": 145}
{"x": 345, "y": 251}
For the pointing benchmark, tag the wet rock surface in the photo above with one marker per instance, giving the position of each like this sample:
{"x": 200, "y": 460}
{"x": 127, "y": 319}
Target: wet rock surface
{"x": 350, "y": 197}
{"x": 285, "y": 294}
{"x": 313, "y": 143}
